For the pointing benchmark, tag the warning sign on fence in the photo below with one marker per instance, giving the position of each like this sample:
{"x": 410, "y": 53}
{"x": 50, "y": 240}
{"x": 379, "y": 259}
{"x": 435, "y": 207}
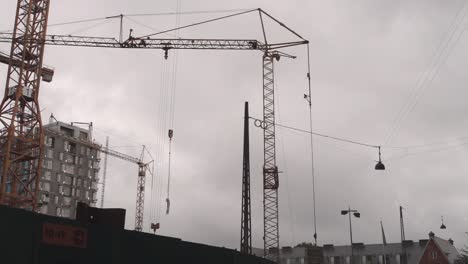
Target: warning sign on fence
{"x": 64, "y": 235}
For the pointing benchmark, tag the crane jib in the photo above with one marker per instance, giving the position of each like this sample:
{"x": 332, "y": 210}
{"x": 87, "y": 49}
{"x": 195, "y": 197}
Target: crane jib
{"x": 164, "y": 44}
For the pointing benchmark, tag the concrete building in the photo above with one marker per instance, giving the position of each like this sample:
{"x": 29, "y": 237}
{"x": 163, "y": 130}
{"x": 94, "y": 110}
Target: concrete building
{"x": 306, "y": 254}
{"x": 425, "y": 251}
{"x": 69, "y": 170}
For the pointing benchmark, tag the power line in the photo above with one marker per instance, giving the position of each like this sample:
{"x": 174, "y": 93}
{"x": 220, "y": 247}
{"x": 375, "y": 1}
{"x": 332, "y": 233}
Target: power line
{"x": 430, "y": 73}
{"x": 262, "y": 124}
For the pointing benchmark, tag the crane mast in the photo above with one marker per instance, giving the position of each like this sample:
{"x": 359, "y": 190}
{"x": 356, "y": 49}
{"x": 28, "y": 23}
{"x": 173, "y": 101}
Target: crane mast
{"x": 270, "y": 170}
{"x": 21, "y": 134}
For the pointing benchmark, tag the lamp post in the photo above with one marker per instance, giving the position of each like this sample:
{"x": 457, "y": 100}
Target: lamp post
{"x": 357, "y": 215}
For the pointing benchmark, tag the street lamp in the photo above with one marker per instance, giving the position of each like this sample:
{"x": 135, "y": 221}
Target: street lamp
{"x": 379, "y": 165}
{"x": 442, "y": 226}
{"x": 357, "y": 215}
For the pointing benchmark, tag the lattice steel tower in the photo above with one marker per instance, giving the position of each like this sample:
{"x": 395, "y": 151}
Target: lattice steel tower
{"x": 21, "y": 132}
{"x": 270, "y": 170}
{"x": 246, "y": 221}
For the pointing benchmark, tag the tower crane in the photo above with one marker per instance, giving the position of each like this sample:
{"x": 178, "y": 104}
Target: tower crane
{"x": 32, "y": 151}
{"x": 21, "y": 131}
{"x": 142, "y": 169}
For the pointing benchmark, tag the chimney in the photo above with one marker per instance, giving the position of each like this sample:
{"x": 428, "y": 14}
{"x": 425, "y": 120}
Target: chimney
{"x": 431, "y": 235}
{"x": 450, "y": 241}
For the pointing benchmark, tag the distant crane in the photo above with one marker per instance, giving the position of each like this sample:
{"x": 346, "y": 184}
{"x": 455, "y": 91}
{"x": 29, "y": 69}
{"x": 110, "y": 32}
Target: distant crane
{"x": 142, "y": 169}
{"x": 28, "y": 40}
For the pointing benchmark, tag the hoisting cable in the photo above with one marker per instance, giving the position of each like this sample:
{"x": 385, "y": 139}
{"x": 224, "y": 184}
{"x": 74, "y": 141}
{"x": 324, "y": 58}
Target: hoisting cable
{"x": 172, "y": 107}
{"x": 168, "y": 201}
{"x": 309, "y": 100}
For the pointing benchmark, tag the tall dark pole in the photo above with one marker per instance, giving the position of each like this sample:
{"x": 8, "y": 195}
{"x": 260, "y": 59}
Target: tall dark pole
{"x": 351, "y": 235}
{"x": 402, "y": 230}
{"x": 246, "y": 235}
{"x": 357, "y": 215}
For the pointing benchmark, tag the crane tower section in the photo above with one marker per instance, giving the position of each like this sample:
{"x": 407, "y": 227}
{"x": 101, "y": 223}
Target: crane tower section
{"x": 270, "y": 170}
{"x": 21, "y": 132}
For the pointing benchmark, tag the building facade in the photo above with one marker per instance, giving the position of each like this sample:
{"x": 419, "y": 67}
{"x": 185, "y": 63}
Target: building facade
{"x": 69, "y": 170}
{"x": 300, "y": 254}
{"x": 434, "y": 250}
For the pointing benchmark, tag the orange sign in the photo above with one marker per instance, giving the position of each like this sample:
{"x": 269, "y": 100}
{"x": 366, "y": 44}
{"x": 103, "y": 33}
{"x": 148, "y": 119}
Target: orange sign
{"x": 64, "y": 235}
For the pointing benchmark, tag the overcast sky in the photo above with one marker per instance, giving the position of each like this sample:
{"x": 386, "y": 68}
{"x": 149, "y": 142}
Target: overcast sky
{"x": 388, "y": 73}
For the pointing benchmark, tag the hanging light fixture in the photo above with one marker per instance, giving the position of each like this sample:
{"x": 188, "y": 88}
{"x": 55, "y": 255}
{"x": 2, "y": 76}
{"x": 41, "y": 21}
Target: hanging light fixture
{"x": 379, "y": 165}
{"x": 442, "y": 226}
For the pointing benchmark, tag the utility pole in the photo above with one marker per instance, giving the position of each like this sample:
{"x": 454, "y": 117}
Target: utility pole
{"x": 402, "y": 231}
{"x": 357, "y": 215}
{"x": 246, "y": 234}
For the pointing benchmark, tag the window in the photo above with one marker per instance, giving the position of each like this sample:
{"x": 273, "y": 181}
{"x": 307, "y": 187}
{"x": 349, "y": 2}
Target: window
{"x": 50, "y": 142}
{"x": 47, "y": 175}
{"x": 82, "y": 150}
{"x": 66, "y": 212}
{"x": 83, "y": 135}
{"x": 45, "y": 198}
{"x": 43, "y": 209}
{"x": 66, "y": 201}
{"x": 59, "y": 177}
{"x": 68, "y": 168}
{"x": 72, "y": 148}
{"x": 58, "y": 211}
{"x": 67, "y": 179}
{"x": 49, "y": 153}
{"x": 77, "y": 193}
{"x": 45, "y": 186}
{"x": 434, "y": 254}
{"x": 67, "y": 191}
{"x": 56, "y": 200}
{"x": 47, "y": 164}
{"x": 67, "y": 131}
